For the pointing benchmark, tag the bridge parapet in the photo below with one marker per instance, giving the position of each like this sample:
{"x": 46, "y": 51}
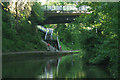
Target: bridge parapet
{"x": 65, "y": 9}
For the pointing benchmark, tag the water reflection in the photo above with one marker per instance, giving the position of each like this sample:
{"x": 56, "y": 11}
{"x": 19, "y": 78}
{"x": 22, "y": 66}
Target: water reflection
{"x": 71, "y": 67}
{"x": 63, "y": 67}
{"x": 51, "y": 69}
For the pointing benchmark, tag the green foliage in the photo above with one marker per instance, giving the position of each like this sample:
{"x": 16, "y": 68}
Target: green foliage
{"x": 25, "y": 39}
{"x": 22, "y": 42}
{"x": 37, "y": 14}
{"x": 64, "y": 47}
{"x": 101, "y": 46}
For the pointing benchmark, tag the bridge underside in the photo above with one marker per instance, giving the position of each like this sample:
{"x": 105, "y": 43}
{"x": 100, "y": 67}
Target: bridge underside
{"x": 57, "y": 18}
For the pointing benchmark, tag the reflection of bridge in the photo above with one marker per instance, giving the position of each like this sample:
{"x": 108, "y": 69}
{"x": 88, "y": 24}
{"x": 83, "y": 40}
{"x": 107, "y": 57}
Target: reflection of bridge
{"x": 63, "y": 14}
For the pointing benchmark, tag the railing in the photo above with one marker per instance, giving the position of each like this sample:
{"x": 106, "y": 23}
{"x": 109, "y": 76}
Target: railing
{"x": 64, "y": 8}
{"x": 49, "y": 35}
{"x": 41, "y": 28}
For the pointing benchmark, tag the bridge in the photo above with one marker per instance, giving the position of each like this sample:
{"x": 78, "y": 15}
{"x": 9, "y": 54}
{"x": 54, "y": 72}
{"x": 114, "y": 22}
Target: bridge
{"x": 49, "y": 36}
{"x": 59, "y": 14}
{"x": 62, "y": 14}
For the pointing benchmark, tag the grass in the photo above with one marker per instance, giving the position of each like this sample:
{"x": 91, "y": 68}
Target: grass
{"x": 64, "y": 47}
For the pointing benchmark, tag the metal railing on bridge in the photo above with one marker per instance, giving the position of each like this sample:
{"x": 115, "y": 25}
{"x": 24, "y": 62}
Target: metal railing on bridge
{"x": 66, "y": 8}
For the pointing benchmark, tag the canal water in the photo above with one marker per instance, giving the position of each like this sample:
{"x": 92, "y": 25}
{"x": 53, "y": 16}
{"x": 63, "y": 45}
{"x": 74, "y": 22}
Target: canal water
{"x": 70, "y": 66}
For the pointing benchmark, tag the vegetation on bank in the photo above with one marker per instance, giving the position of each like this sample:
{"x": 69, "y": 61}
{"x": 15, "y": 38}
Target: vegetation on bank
{"x": 18, "y": 27}
{"x": 64, "y": 47}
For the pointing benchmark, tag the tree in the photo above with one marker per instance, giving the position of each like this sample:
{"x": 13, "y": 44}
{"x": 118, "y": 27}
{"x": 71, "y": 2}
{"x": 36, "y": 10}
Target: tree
{"x": 20, "y": 10}
{"x": 37, "y": 14}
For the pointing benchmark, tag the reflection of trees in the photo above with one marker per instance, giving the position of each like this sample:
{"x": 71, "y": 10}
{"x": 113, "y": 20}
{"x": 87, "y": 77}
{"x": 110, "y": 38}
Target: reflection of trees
{"x": 95, "y": 71}
{"x": 23, "y": 69}
{"x": 71, "y": 68}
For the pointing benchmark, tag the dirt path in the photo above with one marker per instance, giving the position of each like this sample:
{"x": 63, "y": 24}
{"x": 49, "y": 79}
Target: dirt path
{"x": 42, "y": 52}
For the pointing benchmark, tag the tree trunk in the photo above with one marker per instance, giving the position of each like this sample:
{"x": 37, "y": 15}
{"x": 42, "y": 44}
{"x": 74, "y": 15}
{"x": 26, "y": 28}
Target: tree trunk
{"x": 16, "y": 25}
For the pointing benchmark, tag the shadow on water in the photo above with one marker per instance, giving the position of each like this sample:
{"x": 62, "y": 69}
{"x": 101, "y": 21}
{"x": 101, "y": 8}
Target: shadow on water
{"x": 50, "y": 67}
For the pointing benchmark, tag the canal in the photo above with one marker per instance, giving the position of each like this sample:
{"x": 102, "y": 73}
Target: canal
{"x": 70, "y": 66}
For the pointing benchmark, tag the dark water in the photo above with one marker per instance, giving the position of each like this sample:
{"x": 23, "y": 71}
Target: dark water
{"x": 50, "y": 67}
